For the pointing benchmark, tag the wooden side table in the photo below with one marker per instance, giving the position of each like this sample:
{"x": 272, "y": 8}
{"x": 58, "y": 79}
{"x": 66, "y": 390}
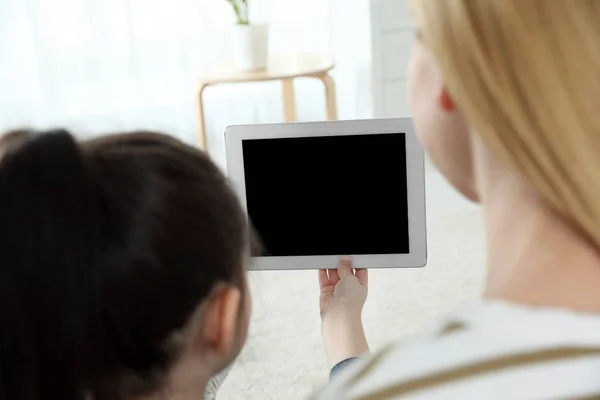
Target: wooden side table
{"x": 281, "y": 67}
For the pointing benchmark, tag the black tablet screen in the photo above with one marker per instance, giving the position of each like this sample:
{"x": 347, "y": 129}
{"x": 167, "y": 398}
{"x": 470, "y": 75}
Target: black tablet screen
{"x": 332, "y": 195}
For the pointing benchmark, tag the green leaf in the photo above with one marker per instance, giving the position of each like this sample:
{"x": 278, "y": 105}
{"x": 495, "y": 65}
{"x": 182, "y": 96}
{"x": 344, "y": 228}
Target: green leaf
{"x": 240, "y": 8}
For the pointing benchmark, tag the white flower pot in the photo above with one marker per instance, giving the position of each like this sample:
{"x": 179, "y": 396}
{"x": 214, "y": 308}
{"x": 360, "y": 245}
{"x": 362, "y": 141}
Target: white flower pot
{"x": 250, "y": 46}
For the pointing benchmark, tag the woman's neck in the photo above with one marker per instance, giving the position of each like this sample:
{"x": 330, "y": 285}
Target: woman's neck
{"x": 536, "y": 258}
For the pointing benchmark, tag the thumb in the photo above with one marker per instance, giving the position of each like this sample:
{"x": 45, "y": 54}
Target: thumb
{"x": 345, "y": 267}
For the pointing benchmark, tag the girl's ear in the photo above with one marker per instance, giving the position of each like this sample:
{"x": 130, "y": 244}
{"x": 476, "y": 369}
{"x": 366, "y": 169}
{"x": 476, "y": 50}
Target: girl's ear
{"x": 219, "y": 331}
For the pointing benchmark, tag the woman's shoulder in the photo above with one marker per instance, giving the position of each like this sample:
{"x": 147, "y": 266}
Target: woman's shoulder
{"x": 482, "y": 350}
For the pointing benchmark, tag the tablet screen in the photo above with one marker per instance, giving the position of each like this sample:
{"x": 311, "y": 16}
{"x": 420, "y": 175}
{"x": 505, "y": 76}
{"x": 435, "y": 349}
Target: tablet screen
{"x": 332, "y": 195}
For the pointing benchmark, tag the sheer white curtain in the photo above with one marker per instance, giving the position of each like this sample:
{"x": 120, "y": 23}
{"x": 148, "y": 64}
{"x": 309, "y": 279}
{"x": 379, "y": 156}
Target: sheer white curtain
{"x": 105, "y": 65}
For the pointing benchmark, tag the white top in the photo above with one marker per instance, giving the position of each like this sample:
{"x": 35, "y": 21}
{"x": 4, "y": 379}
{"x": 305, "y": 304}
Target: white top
{"x": 484, "y": 350}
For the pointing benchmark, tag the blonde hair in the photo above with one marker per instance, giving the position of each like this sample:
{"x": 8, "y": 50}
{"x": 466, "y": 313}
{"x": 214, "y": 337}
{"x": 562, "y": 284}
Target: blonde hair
{"x": 526, "y": 73}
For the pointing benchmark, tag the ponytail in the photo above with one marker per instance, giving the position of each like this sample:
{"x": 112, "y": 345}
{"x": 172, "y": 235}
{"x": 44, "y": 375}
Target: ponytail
{"x": 50, "y": 235}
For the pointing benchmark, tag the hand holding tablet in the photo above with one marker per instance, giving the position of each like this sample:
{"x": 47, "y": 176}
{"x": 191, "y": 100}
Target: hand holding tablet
{"x": 318, "y": 191}
{"x": 343, "y": 295}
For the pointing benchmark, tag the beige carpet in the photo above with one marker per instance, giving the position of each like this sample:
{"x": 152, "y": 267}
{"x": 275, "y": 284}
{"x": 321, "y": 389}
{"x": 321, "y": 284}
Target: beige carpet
{"x": 284, "y": 359}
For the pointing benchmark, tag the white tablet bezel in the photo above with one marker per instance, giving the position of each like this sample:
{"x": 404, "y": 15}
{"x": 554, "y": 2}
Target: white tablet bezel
{"x": 234, "y": 135}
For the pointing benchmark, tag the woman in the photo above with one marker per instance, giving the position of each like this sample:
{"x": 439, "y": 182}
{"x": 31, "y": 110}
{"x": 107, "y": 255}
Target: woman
{"x": 504, "y": 95}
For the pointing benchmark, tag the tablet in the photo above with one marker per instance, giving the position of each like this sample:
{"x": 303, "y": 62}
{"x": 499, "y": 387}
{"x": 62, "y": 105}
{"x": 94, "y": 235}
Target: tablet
{"x": 317, "y": 191}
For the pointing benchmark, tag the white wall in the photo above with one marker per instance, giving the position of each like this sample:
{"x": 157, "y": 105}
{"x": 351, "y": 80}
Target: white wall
{"x": 107, "y": 65}
{"x": 110, "y": 65}
{"x": 393, "y": 36}
{"x": 351, "y": 45}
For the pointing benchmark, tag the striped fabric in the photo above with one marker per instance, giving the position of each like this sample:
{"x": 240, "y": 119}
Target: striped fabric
{"x": 215, "y": 383}
{"x": 484, "y": 350}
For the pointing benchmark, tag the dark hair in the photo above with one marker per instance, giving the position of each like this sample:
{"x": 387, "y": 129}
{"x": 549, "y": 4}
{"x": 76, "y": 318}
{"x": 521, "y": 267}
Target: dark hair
{"x": 106, "y": 249}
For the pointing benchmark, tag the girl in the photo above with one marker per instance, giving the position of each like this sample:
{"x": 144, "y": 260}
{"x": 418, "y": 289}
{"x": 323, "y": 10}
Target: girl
{"x": 123, "y": 268}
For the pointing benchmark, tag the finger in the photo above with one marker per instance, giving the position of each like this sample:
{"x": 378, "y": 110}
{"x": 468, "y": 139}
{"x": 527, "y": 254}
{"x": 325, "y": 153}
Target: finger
{"x": 323, "y": 279}
{"x": 363, "y": 276}
{"x": 333, "y": 276}
{"x": 345, "y": 267}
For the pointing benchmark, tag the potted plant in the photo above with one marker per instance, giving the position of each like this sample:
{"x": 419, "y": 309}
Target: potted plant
{"x": 249, "y": 42}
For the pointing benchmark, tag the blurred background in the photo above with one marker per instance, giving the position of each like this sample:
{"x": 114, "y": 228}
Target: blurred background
{"x": 111, "y": 65}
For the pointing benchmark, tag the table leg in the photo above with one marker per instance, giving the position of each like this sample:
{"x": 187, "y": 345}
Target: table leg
{"x": 289, "y": 100}
{"x": 330, "y": 99}
{"x": 201, "y": 123}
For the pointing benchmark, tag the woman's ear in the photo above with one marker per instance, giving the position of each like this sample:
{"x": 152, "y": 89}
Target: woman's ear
{"x": 219, "y": 332}
{"x": 446, "y": 101}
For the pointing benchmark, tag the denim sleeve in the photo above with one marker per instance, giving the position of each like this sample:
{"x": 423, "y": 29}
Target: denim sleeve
{"x": 341, "y": 365}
